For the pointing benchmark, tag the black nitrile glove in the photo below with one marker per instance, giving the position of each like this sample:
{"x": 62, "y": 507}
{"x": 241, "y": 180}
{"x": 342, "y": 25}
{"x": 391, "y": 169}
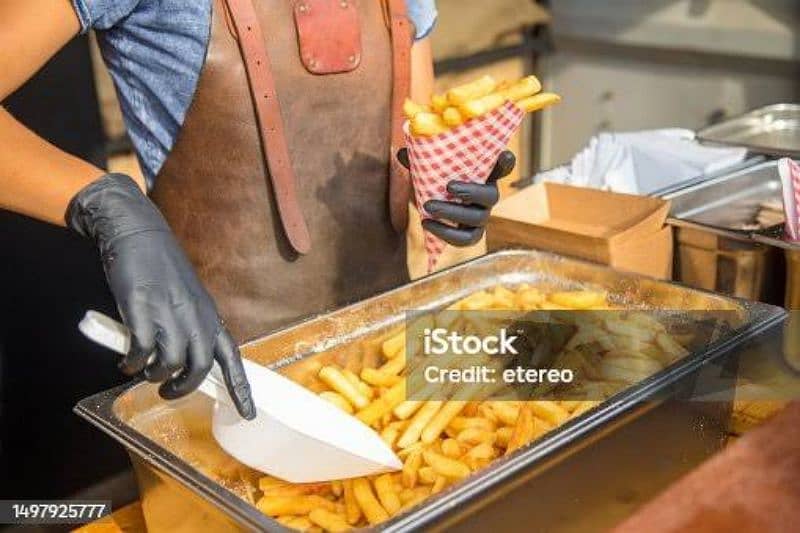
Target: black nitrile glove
{"x": 158, "y": 294}
{"x": 472, "y": 212}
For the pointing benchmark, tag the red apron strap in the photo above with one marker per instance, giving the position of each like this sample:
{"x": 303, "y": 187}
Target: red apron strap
{"x": 270, "y": 122}
{"x": 399, "y": 179}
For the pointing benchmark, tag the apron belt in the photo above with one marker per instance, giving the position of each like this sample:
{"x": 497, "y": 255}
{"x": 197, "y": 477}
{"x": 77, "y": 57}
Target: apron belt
{"x": 270, "y": 123}
{"x": 399, "y": 181}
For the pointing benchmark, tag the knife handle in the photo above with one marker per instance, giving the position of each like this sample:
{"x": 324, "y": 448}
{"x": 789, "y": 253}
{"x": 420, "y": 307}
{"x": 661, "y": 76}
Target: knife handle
{"x": 115, "y": 336}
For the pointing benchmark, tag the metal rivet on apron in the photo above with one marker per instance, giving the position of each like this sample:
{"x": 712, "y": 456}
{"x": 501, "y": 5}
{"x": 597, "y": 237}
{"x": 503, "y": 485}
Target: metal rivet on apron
{"x": 312, "y": 63}
{"x": 302, "y": 8}
{"x": 352, "y": 59}
{"x": 343, "y": 3}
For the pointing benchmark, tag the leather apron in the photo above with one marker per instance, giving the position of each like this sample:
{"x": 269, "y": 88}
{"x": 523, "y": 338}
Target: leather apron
{"x": 216, "y": 192}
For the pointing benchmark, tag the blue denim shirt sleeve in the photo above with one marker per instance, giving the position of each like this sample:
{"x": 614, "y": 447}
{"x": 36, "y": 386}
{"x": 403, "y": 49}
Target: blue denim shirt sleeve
{"x": 102, "y": 14}
{"x": 423, "y": 14}
{"x": 154, "y": 51}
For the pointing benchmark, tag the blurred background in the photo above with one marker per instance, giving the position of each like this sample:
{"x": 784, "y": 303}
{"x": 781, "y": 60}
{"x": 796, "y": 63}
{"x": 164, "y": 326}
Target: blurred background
{"x": 619, "y": 65}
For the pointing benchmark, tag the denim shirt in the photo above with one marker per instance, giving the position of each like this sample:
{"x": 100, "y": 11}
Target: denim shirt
{"x": 154, "y": 50}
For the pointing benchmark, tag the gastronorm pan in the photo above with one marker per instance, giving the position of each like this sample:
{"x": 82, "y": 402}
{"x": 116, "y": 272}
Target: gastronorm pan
{"x": 179, "y": 466}
{"x": 717, "y": 228}
{"x": 729, "y": 203}
{"x": 772, "y": 130}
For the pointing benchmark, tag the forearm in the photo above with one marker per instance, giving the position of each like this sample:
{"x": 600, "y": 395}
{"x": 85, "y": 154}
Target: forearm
{"x": 422, "y": 77}
{"x": 36, "y": 178}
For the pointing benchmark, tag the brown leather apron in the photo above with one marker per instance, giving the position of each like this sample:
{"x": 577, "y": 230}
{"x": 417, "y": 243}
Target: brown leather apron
{"x": 216, "y": 191}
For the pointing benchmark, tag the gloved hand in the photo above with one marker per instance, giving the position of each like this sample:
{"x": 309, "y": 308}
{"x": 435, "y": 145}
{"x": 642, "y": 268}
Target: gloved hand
{"x": 472, "y": 212}
{"x": 158, "y": 294}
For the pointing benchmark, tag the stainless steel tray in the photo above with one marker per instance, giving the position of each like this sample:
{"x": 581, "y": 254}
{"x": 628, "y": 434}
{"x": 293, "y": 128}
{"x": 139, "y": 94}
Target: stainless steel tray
{"x": 181, "y": 471}
{"x": 772, "y": 130}
{"x": 726, "y": 203}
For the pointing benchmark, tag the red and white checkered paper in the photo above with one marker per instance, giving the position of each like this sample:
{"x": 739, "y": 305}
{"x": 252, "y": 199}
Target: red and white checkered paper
{"x": 790, "y": 178}
{"x": 465, "y": 153}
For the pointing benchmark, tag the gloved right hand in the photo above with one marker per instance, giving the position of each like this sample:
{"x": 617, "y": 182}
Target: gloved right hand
{"x": 160, "y": 298}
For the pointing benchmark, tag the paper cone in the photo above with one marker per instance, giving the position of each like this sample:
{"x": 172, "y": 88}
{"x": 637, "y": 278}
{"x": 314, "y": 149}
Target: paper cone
{"x": 790, "y": 178}
{"x": 465, "y": 153}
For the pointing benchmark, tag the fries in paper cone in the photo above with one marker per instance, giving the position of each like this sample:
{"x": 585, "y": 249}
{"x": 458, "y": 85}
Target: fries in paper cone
{"x": 460, "y": 135}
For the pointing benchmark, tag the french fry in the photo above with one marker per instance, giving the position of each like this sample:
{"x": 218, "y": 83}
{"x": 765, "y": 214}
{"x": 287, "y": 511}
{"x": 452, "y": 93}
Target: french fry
{"x": 506, "y": 412}
{"x": 407, "y": 408}
{"x": 427, "y": 125}
{"x": 338, "y": 400}
{"x": 445, "y": 466}
{"x": 452, "y": 117}
{"x": 479, "y": 88}
{"x": 377, "y": 378}
{"x": 411, "y": 469}
{"x": 379, "y": 407}
{"x": 328, "y": 521}
{"x": 527, "y": 86}
{"x": 294, "y": 505}
{"x": 411, "y": 497}
{"x": 439, "y": 103}
{"x": 427, "y": 475}
{"x": 298, "y": 523}
{"x": 578, "y": 299}
{"x": 439, "y": 485}
{"x": 337, "y": 488}
{"x": 351, "y": 507}
{"x": 452, "y": 448}
{"x": 440, "y": 421}
{"x": 503, "y": 436}
{"x": 474, "y": 436}
{"x": 461, "y": 423}
{"x": 332, "y": 377}
{"x": 549, "y": 411}
{"x": 412, "y": 109}
{"x": 414, "y": 430}
{"x": 537, "y": 102}
{"x": 523, "y": 429}
{"x": 365, "y": 389}
{"x": 384, "y": 488}
{"x": 479, "y": 455}
{"x": 394, "y": 345}
{"x": 395, "y": 365}
{"x": 369, "y": 505}
{"x": 481, "y": 106}
{"x": 389, "y": 435}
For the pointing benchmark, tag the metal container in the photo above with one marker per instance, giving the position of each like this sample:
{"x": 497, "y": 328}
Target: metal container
{"x": 188, "y": 484}
{"x": 715, "y": 249}
{"x": 772, "y": 130}
{"x": 792, "y": 255}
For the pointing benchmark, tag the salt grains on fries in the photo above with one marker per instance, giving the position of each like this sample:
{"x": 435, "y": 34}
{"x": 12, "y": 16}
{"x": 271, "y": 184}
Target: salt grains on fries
{"x": 473, "y": 100}
{"x": 441, "y": 442}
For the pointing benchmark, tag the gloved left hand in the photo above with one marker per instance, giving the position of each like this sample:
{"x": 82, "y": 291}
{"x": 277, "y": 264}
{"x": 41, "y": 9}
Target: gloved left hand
{"x": 471, "y": 213}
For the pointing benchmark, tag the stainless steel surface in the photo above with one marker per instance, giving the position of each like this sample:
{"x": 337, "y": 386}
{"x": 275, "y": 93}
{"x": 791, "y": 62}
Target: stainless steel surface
{"x": 773, "y": 130}
{"x": 188, "y": 483}
{"x": 715, "y": 248}
{"x": 727, "y": 203}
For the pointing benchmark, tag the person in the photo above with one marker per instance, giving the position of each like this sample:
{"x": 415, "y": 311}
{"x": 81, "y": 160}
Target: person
{"x": 269, "y": 135}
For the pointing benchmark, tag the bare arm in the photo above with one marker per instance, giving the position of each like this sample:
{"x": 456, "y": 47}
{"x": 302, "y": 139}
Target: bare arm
{"x": 36, "y": 178}
{"x": 422, "y": 78}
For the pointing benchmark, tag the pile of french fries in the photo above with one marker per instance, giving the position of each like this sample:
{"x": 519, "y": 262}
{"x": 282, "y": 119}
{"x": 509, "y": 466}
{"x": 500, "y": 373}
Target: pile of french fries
{"x": 442, "y": 442}
{"x": 472, "y": 100}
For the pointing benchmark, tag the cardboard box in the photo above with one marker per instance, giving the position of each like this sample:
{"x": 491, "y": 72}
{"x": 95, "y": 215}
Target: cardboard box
{"x": 623, "y": 231}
